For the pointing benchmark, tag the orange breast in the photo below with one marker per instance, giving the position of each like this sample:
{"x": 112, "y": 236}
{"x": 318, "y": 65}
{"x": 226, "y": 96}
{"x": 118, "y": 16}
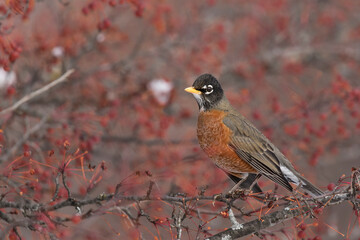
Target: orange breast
{"x": 214, "y": 138}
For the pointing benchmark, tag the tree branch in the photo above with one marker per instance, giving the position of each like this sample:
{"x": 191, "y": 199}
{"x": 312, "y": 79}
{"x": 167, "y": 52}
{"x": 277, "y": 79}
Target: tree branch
{"x": 290, "y": 207}
{"x": 287, "y": 213}
{"x": 37, "y": 92}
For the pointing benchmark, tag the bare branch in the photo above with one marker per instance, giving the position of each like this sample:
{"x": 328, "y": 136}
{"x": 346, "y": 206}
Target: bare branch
{"x": 287, "y": 213}
{"x": 57, "y": 184}
{"x": 65, "y": 184}
{"x": 290, "y": 207}
{"x": 37, "y": 92}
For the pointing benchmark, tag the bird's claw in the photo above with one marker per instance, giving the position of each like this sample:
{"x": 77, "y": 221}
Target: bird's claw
{"x": 216, "y": 197}
{"x": 240, "y": 192}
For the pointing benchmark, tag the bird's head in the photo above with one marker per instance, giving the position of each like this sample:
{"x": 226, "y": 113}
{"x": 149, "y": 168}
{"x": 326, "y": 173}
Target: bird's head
{"x": 207, "y": 91}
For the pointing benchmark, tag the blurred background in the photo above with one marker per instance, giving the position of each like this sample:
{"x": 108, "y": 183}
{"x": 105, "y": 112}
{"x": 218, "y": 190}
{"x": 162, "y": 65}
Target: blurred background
{"x": 291, "y": 67}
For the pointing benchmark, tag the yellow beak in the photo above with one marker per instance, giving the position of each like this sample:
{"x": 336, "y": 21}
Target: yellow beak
{"x": 192, "y": 90}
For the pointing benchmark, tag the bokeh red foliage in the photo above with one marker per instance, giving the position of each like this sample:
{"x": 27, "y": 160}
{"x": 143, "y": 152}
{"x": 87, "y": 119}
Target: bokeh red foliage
{"x": 122, "y": 122}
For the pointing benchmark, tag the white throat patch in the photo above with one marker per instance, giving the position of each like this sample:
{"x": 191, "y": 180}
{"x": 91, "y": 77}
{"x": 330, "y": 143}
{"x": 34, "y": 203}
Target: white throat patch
{"x": 199, "y": 101}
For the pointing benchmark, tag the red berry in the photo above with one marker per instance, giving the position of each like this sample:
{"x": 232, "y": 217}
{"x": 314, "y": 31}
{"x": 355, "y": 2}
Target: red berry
{"x": 318, "y": 211}
{"x": 334, "y": 108}
{"x": 104, "y": 122}
{"x": 18, "y": 49}
{"x": 13, "y": 56}
{"x": 323, "y": 116}
{"x": 106, "y": 23}
{"x": 112, "y": 114}
{"x": 27, "y": 153}
{"x": 302, "y": 226}
{"x": 139, "y": 10}
{"x": 85, "y": 10}
{"x": 82, "y": 190}
{"x": 256, "y": 115}
{"x": 301, "y": 234}
{"x": 50, "y": 153}
{"x": 331, "y": 186}
{"x": 92, "y": 5}
{"x": 10, "y": 91}
{"x": 82, "y": 146}
{"x": 6, "y": 67}
{"x": 112, "y": 3}
{"x": 12, "y": 236}
{"x": 76, "y": 219}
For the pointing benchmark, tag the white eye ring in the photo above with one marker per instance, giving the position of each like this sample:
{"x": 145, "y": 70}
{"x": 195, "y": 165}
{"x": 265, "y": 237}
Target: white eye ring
{"x": 209, "y": 89}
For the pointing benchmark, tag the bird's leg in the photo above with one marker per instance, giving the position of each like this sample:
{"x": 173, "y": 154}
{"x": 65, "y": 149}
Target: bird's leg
{"x": 247, "y": 182}
{"x": 255, "y": 181}
{"x": 237, "y": 185}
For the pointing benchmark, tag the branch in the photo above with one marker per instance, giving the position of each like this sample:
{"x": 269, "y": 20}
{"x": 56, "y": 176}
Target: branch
{"x": 37, "y": 92}
{"x": 290, "y": 207}
{"x": 287, "y": 213}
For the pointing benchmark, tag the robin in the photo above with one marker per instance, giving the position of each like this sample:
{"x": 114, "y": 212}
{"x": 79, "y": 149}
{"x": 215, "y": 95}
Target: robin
{"x": 238, "y": 147}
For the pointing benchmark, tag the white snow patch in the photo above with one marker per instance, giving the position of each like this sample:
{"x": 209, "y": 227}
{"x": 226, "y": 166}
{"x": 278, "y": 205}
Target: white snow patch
{"x": 236, "y": 225}
{"x": 226, "y": 237}
{"x": 7, "y": 78}
{"x": 57, "y": 51}
{"x": 100, "y": 37}
{"x": 161, "y": 89}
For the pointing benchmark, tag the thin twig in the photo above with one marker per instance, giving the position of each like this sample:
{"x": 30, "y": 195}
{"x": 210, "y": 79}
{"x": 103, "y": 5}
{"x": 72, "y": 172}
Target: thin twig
{"x": 37, "y": 92}
{"x": 65, "y": 184}
{"x": 178, "y": 224}
{"x": 56, "y": 186}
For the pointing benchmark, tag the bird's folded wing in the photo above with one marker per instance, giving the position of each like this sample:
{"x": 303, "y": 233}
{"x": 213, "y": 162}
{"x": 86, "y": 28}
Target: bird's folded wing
{"x": 253, "y": 147}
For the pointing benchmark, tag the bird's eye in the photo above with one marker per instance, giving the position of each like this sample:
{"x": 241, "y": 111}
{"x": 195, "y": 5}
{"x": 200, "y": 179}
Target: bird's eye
{"x": 209, "y": 89}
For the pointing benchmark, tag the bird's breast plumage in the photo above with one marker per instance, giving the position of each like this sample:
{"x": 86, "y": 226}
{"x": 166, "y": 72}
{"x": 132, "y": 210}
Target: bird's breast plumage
{"x": 214, "y": 138}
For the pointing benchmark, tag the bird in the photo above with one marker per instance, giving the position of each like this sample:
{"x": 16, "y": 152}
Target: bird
{"x": 236, "y": 146}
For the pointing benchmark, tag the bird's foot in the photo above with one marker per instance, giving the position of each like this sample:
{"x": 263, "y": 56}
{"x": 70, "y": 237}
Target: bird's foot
{"x": 217, "y": 197}
{"x": 238, "y": 193}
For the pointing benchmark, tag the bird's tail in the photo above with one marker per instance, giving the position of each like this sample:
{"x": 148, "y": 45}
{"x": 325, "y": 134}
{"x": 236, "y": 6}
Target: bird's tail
{"x": 309, "y": 187}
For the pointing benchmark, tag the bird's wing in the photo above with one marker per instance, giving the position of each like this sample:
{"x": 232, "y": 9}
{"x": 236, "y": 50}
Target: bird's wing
{"x": 254, "y": 148}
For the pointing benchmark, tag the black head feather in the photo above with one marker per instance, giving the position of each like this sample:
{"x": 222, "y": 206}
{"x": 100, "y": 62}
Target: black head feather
{"x": 211, "y": 91}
